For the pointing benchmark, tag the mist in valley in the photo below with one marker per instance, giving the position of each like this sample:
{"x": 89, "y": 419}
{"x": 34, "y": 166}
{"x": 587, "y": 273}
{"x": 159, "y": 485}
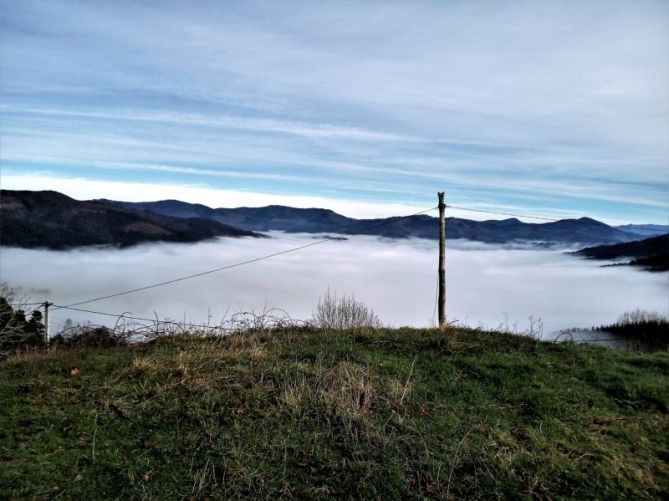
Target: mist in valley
{"x": 487, "y": 286}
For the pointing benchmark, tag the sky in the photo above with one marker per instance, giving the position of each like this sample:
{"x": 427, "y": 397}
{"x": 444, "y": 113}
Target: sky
{"x": 486, "y": 285}
{"x": 558, "y": 109}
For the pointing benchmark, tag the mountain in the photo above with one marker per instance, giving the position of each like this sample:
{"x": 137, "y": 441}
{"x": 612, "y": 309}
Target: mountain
{"x": 650, "y": 253}
{"x": 645, "y": 230}
{"x": 49, "y": 219}
{"x": 583, "y": 231}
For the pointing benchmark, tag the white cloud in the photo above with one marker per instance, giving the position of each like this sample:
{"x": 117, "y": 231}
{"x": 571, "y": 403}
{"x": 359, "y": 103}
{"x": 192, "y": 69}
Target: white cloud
{"x": 397, "y": 279}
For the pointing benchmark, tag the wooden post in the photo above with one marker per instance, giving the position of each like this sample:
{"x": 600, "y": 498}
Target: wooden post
{"x": 47, "y": 322}
{"x": 442, "y": 261}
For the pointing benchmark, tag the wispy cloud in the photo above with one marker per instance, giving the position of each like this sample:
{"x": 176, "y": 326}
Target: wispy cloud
{"x": 306, "y": 129}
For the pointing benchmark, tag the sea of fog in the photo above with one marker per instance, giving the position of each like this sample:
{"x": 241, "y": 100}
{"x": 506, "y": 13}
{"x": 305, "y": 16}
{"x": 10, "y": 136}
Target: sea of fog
{"x": 487, "y": 286}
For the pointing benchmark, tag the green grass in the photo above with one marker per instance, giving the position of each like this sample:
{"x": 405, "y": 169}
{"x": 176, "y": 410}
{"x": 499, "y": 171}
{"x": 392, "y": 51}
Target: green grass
{"x": 318, "y": 414}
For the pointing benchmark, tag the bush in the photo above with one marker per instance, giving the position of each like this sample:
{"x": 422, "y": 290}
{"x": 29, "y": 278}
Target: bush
{"x": 86, "y": 336}
{"x": 343, "y": 312}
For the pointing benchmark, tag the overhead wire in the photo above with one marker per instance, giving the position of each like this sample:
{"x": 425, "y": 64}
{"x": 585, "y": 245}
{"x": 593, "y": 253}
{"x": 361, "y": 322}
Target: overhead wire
{"x": 651, "y": 231}
{"x": 448, "y": 206}
{"x": 272, "y": 255}
{"x": 546, "y": 218}
{"x": 123, "y": 316}
{"x": 142, "y": 319}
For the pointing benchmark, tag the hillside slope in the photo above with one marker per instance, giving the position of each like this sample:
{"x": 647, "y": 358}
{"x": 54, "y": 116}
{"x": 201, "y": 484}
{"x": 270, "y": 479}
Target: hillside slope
{"x": 276, "y": 217}
{"x": 49, "y": 219}
{"x": 303, "y": 414}
{"x": 651, "y": 253}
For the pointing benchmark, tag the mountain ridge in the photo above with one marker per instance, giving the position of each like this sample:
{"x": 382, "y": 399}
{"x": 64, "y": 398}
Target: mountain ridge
{"x": 49, "y": 219}
{"x": 52, "y": 220}
{"x": 583, "y": 231}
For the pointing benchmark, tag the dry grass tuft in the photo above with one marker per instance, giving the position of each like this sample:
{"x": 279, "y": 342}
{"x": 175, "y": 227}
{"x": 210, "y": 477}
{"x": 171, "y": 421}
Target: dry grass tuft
{"x": 143, "y": 365}
{"x": 295, "y": 393}
{"x": 398, "y": 390}
{"x": 346, "y": 389}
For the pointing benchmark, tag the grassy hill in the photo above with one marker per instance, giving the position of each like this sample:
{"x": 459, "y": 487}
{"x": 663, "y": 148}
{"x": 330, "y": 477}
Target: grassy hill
{"x": 317, "y": 414}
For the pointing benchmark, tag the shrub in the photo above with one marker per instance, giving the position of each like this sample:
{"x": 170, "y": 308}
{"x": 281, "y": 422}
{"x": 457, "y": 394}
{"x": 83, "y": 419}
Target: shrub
{"x": 345, "y": 312}
{"x": 88, "y": 336}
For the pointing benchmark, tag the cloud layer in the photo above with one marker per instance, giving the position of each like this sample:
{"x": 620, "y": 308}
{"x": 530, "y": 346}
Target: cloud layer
{"x": 397, "y": 278}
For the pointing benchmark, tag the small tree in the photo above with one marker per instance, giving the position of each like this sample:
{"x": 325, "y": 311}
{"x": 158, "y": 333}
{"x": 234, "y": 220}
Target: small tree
{"x": 16, "y": 330}
{"x": 640, "y": 317}
{"x": 343, "y": 312}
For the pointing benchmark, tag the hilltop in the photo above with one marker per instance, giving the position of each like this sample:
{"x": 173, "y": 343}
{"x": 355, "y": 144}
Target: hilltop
{"x": 48, "y": 219}
{"x": 302, "y": 413}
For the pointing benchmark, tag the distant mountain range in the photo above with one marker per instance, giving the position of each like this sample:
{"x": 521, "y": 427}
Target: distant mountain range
{"x": 645, "y": 230}
{"x": 47, "y": 219}
{"x": 651, "y": 253}
{"x": 583, "y": 231}
{"x": 52, "y": 220}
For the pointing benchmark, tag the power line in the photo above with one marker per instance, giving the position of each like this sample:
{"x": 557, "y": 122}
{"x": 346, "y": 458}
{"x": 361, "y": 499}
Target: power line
{"x": 649, "y": 230}
{"x": 652, "y": 231}
{"x": 141, "y": 319}
{"x": 242, "y": 263}
{"x": 502, "y": 213}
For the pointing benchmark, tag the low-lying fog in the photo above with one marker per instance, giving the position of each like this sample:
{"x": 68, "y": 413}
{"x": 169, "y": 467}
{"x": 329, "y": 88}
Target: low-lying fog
{"x": 486, "y": 285}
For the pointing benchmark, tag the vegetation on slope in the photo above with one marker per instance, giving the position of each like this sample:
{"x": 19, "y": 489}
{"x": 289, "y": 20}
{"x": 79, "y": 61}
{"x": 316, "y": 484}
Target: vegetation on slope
{"x": 321, "y": 413}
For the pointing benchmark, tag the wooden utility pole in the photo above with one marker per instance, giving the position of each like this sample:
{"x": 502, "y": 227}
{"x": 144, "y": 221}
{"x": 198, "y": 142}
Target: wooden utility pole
{"x": 442, "y": 261}
{"x": 47, "y": 322}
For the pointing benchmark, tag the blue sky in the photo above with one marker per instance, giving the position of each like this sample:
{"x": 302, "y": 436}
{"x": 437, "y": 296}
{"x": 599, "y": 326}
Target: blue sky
{"x": 369, "y": 108}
